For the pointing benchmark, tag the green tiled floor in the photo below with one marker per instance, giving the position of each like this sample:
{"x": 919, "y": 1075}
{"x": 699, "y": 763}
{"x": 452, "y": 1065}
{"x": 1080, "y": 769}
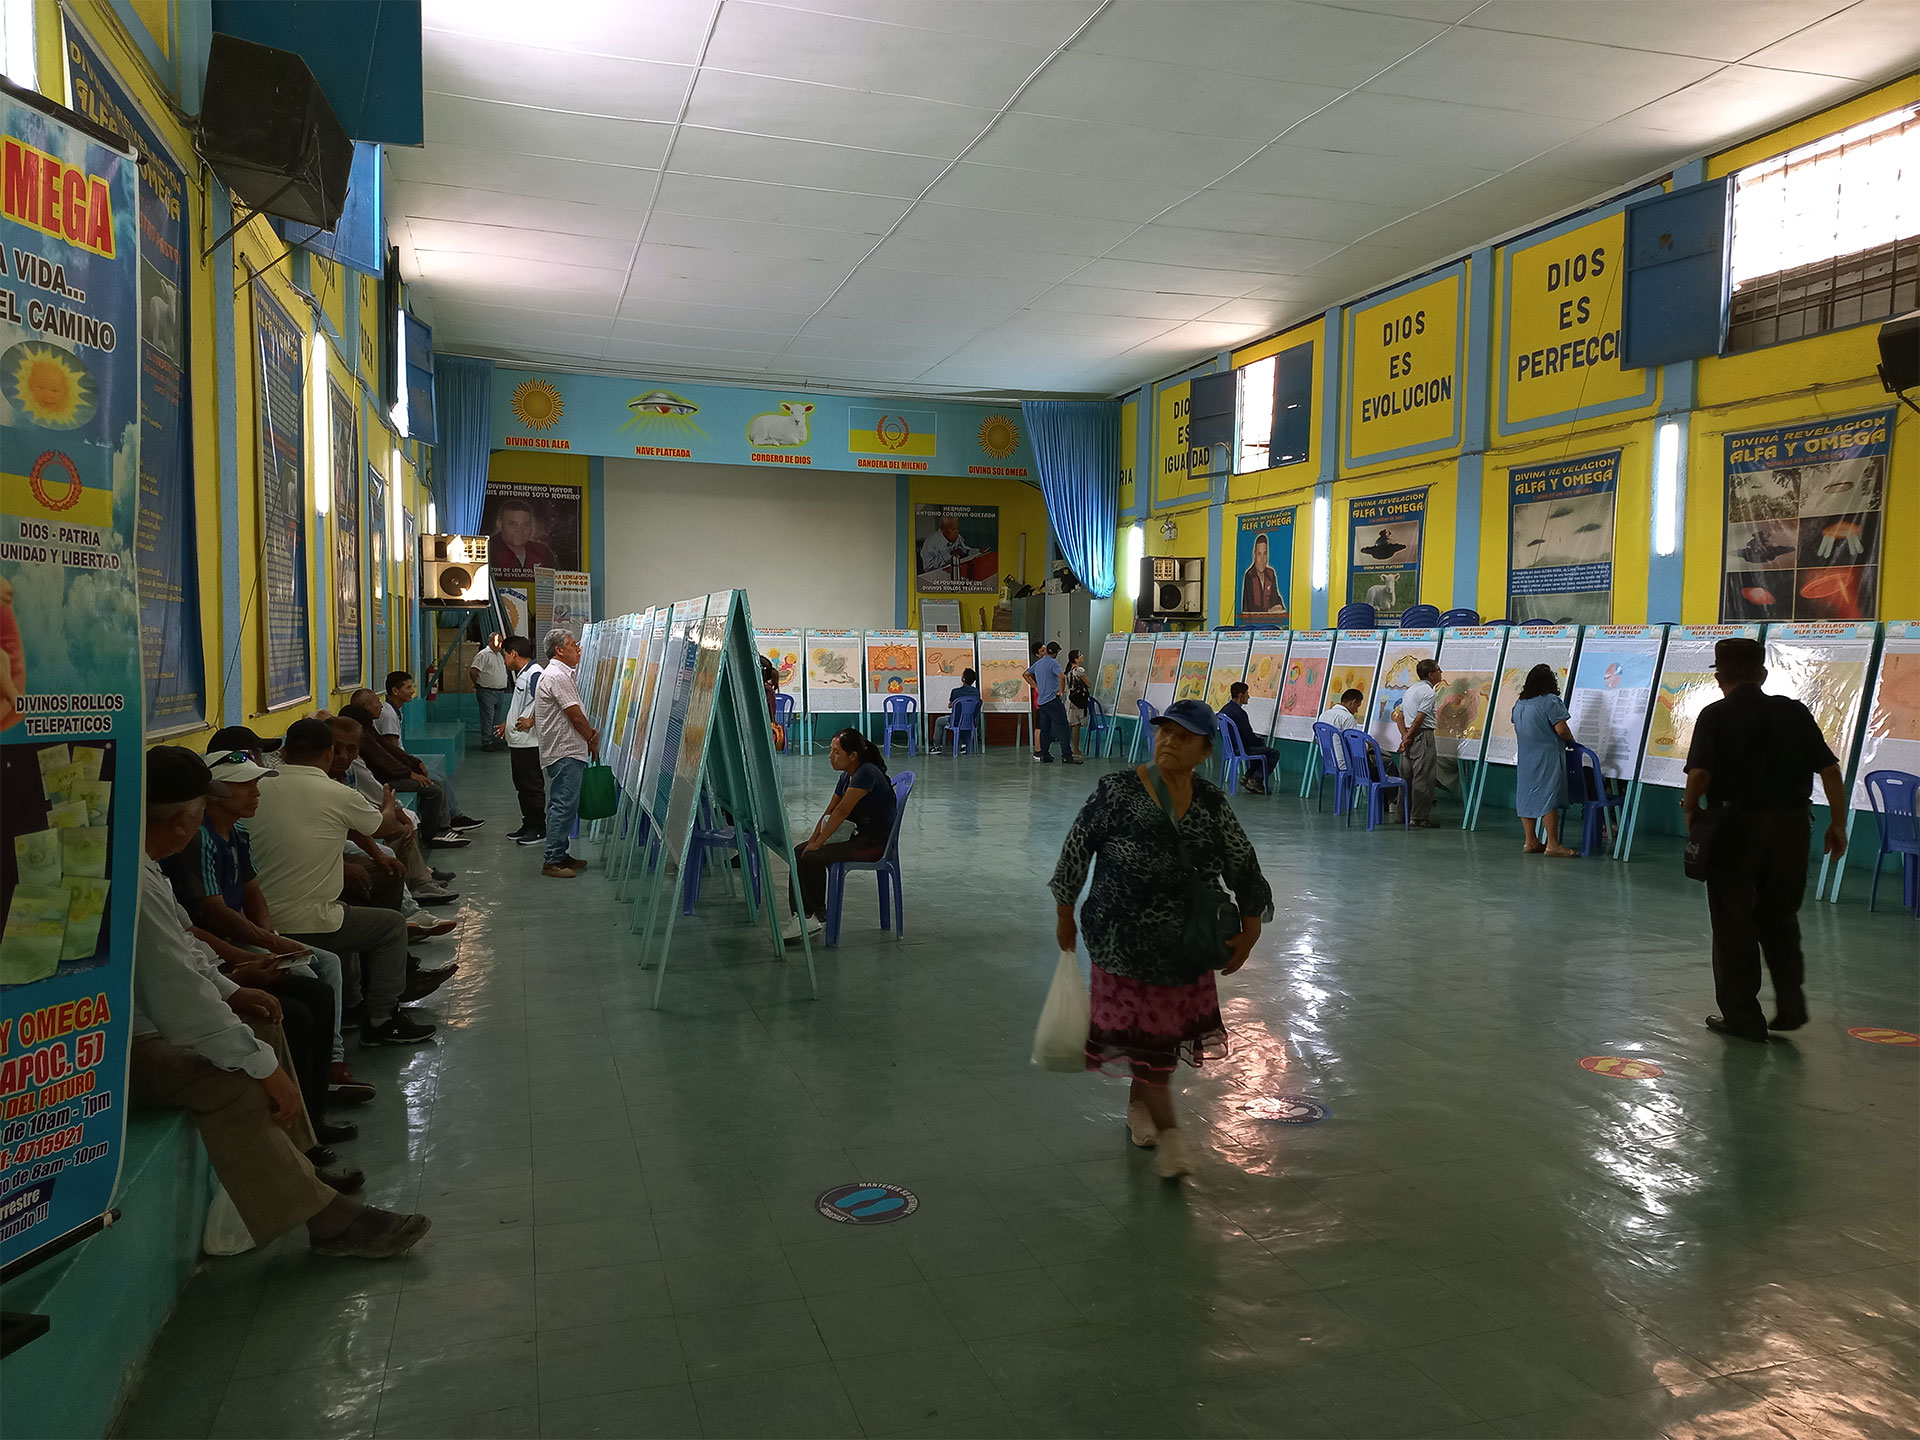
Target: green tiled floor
{"x": 1483, "y": 1239}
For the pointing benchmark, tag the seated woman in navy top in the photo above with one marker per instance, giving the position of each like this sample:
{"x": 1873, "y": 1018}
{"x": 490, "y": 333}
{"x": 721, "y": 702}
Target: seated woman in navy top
{"x": 864, "y": 796}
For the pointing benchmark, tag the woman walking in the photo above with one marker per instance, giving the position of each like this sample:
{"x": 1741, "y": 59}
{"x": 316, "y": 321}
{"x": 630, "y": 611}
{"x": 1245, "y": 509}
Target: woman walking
{"x": 863, "y": 795}
{"x": 1073, "y": 681}
{"x": 1540, "y": 788}
{"x": 1156, "y": 829}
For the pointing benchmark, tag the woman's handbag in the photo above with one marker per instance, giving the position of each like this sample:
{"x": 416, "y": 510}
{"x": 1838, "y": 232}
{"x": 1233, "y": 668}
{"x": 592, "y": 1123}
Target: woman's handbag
{"x": 1212, "y": 919}
{"x": 1060, "y": 1039}
{"x": 599, "y": 794}
{"x": 1703, "y": 829}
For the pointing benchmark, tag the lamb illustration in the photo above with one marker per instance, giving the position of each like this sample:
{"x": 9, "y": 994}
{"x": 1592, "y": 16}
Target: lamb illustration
{"x": 787, "y": 427}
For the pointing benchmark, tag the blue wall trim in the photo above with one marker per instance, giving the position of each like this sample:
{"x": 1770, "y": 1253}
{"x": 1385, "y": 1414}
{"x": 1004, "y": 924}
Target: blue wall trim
{"x": 1667, "y": 574}
{"x": 1470, "y": 472}
{"x": 1327, "y": 447}
{"x": 227, "y": 662}
{"x": 902, "y": 548}
{"x": 1216, "y": 520}
{"x": 597, "y": 535}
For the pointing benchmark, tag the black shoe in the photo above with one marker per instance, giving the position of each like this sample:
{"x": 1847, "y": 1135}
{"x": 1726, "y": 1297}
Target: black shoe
{"x": 574, "y": 862}
{"x": 1788, "y": 1020}
{"x": 398, "y": 1029}
{"x": 334, "y": 1132}
{"x": 1721, "y": 1027}
{"x": 1046, "y": 759}
{"x": 1071, "y": 760}
{"x": 424, "y": 982}
{"x": 519, "y": 834}
{"x": 320, "y": 1155}
{"x": 440, "y": 877}
{"x": 446, "y": 840}
{"x": 373, "y": 1235}
{"x": 539, "y": 837}
{"x": 347, "y": 1181}
{"x": 464, "y": 822}
{"x": 442, "y": 897}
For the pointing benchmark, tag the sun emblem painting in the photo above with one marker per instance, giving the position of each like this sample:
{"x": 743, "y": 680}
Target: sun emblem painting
{"x": 537, "y": 405}
{"x": 999, "y": 436}
{"x": 48, "y": 386}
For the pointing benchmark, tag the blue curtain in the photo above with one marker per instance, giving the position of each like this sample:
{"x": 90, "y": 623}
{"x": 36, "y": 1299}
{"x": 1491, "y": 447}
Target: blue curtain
{"x": 1076, "y": 447}
{"x": 463, "y": 390}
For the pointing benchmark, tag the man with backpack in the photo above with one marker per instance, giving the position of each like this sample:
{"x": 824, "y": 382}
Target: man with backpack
{"x": 523, "y": 741}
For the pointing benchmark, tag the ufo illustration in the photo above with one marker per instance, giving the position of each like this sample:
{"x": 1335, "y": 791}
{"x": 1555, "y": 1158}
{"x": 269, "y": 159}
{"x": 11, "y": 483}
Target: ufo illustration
{"x": 1384, "y": 548}
{"x": 662, "y": 402}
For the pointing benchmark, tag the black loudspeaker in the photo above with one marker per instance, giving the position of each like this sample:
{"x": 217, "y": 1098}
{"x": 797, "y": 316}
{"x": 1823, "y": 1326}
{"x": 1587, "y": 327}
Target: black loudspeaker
{"x": 269, "y": 133}
{"x": 1900, "y": 353}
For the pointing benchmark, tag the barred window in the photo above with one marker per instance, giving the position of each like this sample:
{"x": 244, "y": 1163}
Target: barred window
{"x": 1828, "y": 235}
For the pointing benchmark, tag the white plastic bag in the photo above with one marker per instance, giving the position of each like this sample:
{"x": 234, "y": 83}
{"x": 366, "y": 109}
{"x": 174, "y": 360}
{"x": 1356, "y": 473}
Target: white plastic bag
{"x": 226, "y": 1232}
{"x": 1060, "y": 1039}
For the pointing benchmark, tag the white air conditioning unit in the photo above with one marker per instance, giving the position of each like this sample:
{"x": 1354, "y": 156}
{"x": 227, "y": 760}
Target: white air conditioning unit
{"x": 454, "y": 574}
{"x": 1173, "y": 588}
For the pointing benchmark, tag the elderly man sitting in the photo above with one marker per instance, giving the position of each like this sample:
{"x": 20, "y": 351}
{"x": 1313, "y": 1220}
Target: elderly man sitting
{"x": 216, "y": 1049}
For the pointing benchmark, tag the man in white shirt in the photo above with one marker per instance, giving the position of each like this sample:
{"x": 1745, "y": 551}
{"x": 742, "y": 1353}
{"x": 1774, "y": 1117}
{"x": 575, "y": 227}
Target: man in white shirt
{"x": 523, "y": 742}
{"x": 567, "y": 742}
{"x": 1415, "y": 717}
{"x": 491, "y": 686}
{"x": 944, "y": 547}
{"x": 1344, "y": 713}
{"x": 193, "y": 1048}
{"x": 400, "y": 689}
{"x": 299, "y": 837}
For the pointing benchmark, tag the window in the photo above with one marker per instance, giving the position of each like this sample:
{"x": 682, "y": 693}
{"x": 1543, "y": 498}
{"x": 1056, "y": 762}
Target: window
{"x": 1275, "y": 409}
{"x": 1256, "y": 416}
{"x": 1828, "y": 235}
{"x": 17, "y": 53}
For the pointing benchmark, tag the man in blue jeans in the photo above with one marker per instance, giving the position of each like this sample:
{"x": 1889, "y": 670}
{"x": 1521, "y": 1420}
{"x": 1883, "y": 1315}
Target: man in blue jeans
{"x": 1049, "y": 707}
{"x": 567, "y": 743}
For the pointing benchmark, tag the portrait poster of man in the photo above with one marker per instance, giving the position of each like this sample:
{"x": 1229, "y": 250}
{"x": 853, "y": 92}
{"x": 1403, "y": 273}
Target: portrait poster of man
{"x": 529, "y": 524}
{"x": 956, "y": 549}
{"x": 1264, "y": 563}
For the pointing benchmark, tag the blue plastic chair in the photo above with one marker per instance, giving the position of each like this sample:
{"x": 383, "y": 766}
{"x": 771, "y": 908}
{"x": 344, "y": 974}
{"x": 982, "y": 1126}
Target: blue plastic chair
{"x": 709, "y": 840}
{"x": 1356, "y": 616}
{"x": 1367, "y": 770}
{"x": 1143, "y": 737}
{"x": 1895, "y": 797}
{"x": 1449, "y": 619}
{"x": 964, "y": 720}
{"x": 1333, "y": 761}
{"x": 783, "y": 708}
{"x": 901, "y": 717}
{"x": 886, "y": 868}
{"x": 1587, "y": 788}
{"x": 1100, "y": 728}
{"x": 1235, "y": 760}
{"x": 1420, "y": 617}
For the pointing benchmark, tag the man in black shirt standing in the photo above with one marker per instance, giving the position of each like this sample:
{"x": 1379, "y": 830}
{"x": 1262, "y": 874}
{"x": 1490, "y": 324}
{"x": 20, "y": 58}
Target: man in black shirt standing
{"x": 1752, "y": 753}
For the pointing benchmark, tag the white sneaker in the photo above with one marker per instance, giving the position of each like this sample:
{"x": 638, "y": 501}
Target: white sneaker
{"x": 1140, "y": 1126}
{"x": 1172, "y": 1158}
{"x": 792, "y": 930}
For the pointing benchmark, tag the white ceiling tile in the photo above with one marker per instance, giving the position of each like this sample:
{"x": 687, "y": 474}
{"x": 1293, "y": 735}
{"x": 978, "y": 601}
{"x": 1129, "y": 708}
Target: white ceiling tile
{"x": 1259, "y": 313}
{"x": 466, "y": 315}
{"x": 1870, "y": 40}
{"x": 862, "y": 55}
{"x": 763, "y": 105}
{"x": 1470, "y": 135}
{"x": 1741, "y": 99}
{"x": 1120, "y": 90}
{"x": 665, "y": 263}
{"x": 1620, "y": 151}
{"x": 1223, "y": 250}
{"x": 686, "y": 357}
{"x": 965, "y": 225}
{"x": 652, "y": 307}
{"x": 1720, "y": 31}
{"x": 444, "y": 283}
{"x": 1178, "y": 279}
{"x": 1269, "y": 39}
{"x": 1137, "y": 197}
{"x": 494, "y": 207}
{"x": 830, "y": 329}
{"x": 525, "y": 175}
{"x": 514, "y": 242}
{"x": 652, "y": 332}
{"x": 1538, "y": 75}
{"x": 1205, "y": 335}
{"x": 526, "y": 130}
{"x": 669, "y": 30}
{"x": 646, "y": 292}
{"x": 836, "y": 247}
{"x": 805, "y": 163}
{"x": 1113, "y": 300}
{"x": 1445, "y": 12}
{"x": 1037, "y": 22}
{"x": 590, "y": 84}
{"x": 1058, "y": 324}
{"x": 1331, "y": 175}
{"x": 1001, "y": 262}
{"x": 778, "y": 204}
{"x": 1083, "y": 148}
{"x": 1308, "y": 218}
{"x": 469, "y": 269}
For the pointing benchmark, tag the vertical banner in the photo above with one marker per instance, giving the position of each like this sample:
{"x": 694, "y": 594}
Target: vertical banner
{"x": 344, "y": 447}
{"x": 1003, "y": 660}
{"x": 1229, "y": 667}
{"x": 1267, "y": 670}
{"x": 1560, "y": 540}
{"x": 1405, "y": 359}
{"x": 893, "y": 666}
{"x": 1824, "y": 667}
{"x": 377, "y": 568}
{"x": 1113, "y": 661}
{"x": 572, "y": 599}
{"x": 1612, "y": 691}
{"x": 409, "y": 590}
{"x": 1805, "y": 504}
{"x": 1892, "y": 738}
{"x": 1528, "y": 646}
{"x": 1303, "y": 695}
{"x": 1196, "y": 660}
{"x": 833, "y": 673}
{"x": 1470, "y": 656}
{"x": 166, "y": 543}
{"x": 1264, "y": 562}
{"x": 280, "y": 387}
{"x": 781, "y": 648}
{"x": 956, "y": 549}
{"x": 1384, "y": 534}
{"x": 529, "y": 524}
{"x": 943, "y": 660}
{"x": 1164, "y": 678}
{"x": 71, "y": 681}
{"x": 542, "y": 607}
{"x": 1400, "y": 658}
{"x": 1686, "y": 688}
{"x": 1561, "y": 305}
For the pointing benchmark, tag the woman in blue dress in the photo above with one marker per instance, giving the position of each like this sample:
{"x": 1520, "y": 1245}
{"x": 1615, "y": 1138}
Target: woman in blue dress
{"x": 1540, "y": 725}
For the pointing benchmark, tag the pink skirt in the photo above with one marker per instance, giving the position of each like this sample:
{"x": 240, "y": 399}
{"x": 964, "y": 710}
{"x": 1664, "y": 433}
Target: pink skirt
{"x": 1143, "y": 1031}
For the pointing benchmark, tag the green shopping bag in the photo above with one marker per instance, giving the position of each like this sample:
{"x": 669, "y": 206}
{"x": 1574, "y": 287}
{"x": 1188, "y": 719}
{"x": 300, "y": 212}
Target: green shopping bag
{"x": 599, "y": 795}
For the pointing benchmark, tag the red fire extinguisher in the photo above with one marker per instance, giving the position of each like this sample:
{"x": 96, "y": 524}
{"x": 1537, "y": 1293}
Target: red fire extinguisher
{"x": 433, "y": 682}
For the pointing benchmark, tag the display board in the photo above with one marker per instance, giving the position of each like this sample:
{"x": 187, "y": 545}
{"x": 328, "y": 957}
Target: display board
{"x": 1470, "y": 656}
{"x": 676, "y": 669}
{"x": 1400, "y": 657}
{"x": 1560, "y": 540}
{"x": 1230, "y": 653}
{"x": 1135, "y": 675}
{"x": 834, "y": 669}
{"x": 1612, "y": 692}
{"x": 660, "y": 626}
{"x": 1303, "y": 693}
{"x": 1687, "y": 687}
{"x": 281, "y": 420}
{"x": 1356, "y": 666}
{"x": 1196, "y": 660}
{"x": 1113, "y": 660}
{"x": 1385, "y": 540}
{"x": 893, "y": 666}
{"x": 377, "y": 567}
{"x": 71, "y": 712}
{"x": 1528, "y": 646}
{"x": 1003, "y": 661}
{"x": 625, "y": 691}
{"x": 343, "y": 450}
{"x": 1806, "y": 504}
{"x": 943, "y": 660}
{"x": 1266, "y": 673}
{"x": 1164, "y": 678}
{"x": 1891, "y": 740}
{"x": 1825, "y": 667}
{"x": 1263, "y": 561}
{"x": 782, "y": 650}
{"x": 679, "y": 676}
